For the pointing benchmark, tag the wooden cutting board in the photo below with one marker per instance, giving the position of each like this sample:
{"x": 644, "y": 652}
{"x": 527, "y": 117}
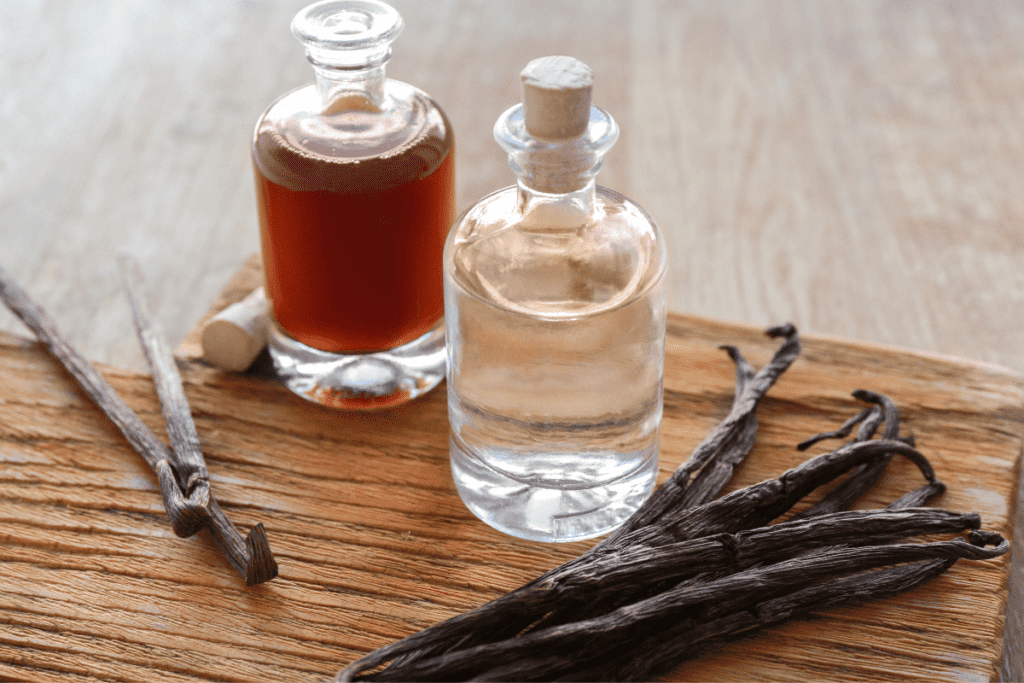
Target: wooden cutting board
{"x": 373, "y": 542}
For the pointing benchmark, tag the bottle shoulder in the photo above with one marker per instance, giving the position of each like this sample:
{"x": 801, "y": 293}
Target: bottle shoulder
{"x": 614, "y": 257}
{"x": 300, "y": 143}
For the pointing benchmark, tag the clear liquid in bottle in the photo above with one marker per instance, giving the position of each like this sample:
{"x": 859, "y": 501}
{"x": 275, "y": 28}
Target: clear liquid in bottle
{"x": 555, "y": 316}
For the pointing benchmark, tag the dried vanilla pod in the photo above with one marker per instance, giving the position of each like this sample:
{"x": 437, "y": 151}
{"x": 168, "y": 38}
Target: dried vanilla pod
{"x": 632, "y": 565}
{"x": 663, "y": 650}
{"x": 581, "y": 643}
{"x": 728, "y": 443}
{"x": 870, "y": 417}
{"x": 184, "y": 482}
{"x": 866, "y": 475}
{"x": 751, "y": 507}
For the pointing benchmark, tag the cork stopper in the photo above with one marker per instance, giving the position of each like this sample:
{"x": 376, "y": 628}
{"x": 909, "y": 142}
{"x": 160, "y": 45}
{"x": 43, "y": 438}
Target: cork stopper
{"x": 234, "y": 337}
{"x": 556, "y": 97}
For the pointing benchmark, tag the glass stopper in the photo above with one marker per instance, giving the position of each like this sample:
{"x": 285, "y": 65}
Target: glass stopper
{"x": 347, "y": 34}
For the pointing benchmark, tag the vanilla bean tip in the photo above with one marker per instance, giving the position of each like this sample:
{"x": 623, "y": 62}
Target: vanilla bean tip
{"x": 187, "y": 521}
{"x": 982, "y": 537}
{"x": 867, "y": 396}
{"x": 197, "y": 488}
{"x": 784, "y": 330}
{"x": 733, "y": 352}
{"x": 261, "y": 566}
{"x": 187, "y": 515}
{"x": 190, "y": 514}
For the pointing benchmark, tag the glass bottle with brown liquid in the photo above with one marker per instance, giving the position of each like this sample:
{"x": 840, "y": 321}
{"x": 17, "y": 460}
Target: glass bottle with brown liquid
{"x": 355, "y": 193}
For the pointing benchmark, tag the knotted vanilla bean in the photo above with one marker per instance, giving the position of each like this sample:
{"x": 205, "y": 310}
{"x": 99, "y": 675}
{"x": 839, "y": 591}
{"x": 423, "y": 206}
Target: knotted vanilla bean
{"x": 184, "y": 484}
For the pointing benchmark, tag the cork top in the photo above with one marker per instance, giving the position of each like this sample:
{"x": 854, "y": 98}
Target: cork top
{"x": 556, "y": 97}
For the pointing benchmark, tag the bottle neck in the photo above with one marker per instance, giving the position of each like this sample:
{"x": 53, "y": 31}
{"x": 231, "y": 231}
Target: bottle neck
{"x": 348, "y": 89}
{"x": 348, "y": 42}
{"x": 556, "y": 211}
{"x": 556, "y": 168}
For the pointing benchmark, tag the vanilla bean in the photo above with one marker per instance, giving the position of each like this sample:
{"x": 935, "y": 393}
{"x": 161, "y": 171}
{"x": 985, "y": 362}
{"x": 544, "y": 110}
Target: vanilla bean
{"x": 890, "y": 413}
{"x": 250, "y": 556}
{"x": 722, "y": 516}
{"x": 730, "y": 514}
{"x": 753, "y": 506}
{"x": 918, "y": 497}
{"x": 608, "y": 599}
{"x": 579, "y": 643}
{"x": 662, "y": 651}
{"x": 185, "y": 518}
{"x": 188, "y": 458}
{"x": 865, "y": 433}
{"x": 732, "y": 439}
{"x": 760, "y": 503}
{"x": 866, "y": 475}
{"x": 665, "y": 649}
{"x": 642, "y": 564}
{"x": 710, "y": 466}
{"x": 728, "y": 444}
{"x": 750, "y": 507}
{"x": 668, "y": 648}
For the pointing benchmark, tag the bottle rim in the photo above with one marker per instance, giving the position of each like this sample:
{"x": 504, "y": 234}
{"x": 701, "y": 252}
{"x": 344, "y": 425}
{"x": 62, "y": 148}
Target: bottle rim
{"x": 347, "y": 33}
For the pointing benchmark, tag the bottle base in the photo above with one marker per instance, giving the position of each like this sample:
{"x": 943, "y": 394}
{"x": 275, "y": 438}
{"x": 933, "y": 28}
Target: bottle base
{"x": 359, "y": 381}
{"x": 551, "y": 515}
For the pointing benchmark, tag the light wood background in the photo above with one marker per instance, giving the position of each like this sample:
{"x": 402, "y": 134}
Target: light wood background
{"x": 856, "y": 167}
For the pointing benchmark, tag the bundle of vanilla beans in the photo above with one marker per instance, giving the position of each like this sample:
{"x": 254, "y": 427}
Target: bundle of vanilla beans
{"x": 688, "y": 569}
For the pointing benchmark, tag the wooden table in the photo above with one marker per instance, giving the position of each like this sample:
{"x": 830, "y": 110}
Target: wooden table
{"x": 854, "y": 167}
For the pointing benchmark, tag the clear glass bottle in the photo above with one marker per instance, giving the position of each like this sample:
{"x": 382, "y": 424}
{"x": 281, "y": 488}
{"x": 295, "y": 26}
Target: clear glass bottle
{"x": 355, "y": 193}
{"x": 555, "y": 315}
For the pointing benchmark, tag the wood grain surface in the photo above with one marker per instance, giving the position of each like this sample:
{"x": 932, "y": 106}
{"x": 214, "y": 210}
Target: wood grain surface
{"x": 373, "y": 542}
